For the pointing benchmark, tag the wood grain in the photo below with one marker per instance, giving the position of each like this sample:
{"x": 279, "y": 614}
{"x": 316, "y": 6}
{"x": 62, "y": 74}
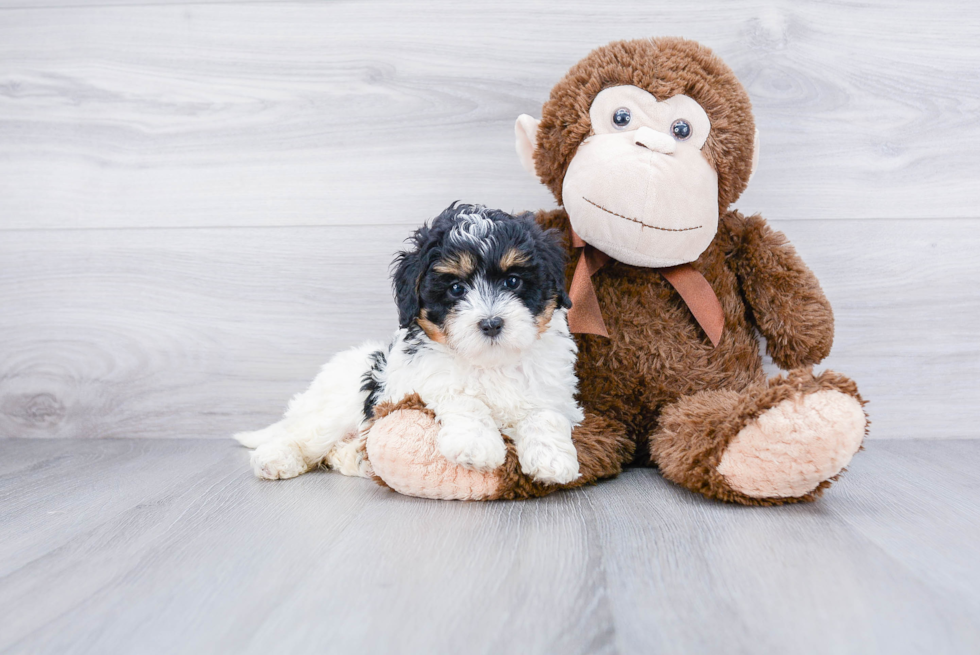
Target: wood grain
{"x": 247, "y": 114}
{"x": 922, "y": 529}
{"x": 172, "y": 546}
{"x": 906, "y": 310}
{"x": 686, "y": 576}
{"x": 204, "y": 332}
{"x": 169, "y": 332}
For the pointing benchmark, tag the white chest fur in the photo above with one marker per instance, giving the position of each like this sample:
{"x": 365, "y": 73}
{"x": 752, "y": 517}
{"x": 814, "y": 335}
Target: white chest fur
{"x": 541, "y": 377}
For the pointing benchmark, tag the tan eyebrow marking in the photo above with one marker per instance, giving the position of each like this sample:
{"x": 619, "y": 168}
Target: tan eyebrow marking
{"x": 513, "y": 257}
{"x": 460, "y": 265}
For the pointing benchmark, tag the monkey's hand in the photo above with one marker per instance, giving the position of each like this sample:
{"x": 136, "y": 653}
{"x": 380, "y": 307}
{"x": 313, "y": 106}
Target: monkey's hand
{"x": 789, "y": 307}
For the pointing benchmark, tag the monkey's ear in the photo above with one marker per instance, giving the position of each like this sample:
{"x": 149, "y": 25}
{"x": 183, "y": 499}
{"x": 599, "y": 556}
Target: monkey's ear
{"x": 526, "y": 131}
{"x": 755, "y": 156}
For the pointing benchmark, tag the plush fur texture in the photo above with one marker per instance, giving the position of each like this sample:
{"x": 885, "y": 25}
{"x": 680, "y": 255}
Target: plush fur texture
{"x": 661, "y": 392}
{"x": 665, "y": 67}
{"x": 404, "y": 457}
{"x": 483, "y": 341}
{"x": 694, "y": 434}
{"x": 789, "y": 449}
{"x": 660, "y": 378}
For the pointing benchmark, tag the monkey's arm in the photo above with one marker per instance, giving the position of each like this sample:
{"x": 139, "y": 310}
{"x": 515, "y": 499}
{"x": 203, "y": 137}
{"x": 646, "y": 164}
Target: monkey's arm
{"x": 786, "y": 300}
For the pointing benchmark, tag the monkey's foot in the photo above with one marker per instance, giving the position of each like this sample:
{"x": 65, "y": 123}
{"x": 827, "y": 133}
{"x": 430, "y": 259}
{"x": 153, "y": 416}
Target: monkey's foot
{"x": 402, "y": 450}
{"x": 782, "y": 441}
{"x": 794, "y": 446}
{"x": 404, "y": 454}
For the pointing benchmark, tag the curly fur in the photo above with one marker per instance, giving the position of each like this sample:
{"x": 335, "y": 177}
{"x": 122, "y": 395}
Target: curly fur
{"x": 483, "y": 339}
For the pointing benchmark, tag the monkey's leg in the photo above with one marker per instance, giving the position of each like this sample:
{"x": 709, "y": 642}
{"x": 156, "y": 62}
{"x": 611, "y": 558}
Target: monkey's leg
{"x": 783, "y": 441}
{"x": 402, "y": 450}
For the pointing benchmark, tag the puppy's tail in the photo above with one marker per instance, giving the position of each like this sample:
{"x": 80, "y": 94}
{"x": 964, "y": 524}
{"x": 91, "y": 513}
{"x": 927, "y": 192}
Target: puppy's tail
{"x": 259, "y": 437}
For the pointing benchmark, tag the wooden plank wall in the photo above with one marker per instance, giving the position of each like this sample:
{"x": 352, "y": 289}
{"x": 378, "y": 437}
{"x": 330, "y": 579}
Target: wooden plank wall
{"x": 199, "y": 201}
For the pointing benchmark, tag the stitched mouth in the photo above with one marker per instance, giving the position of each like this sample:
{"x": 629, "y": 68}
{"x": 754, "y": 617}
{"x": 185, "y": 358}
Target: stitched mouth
{"x": 642, "y": 224}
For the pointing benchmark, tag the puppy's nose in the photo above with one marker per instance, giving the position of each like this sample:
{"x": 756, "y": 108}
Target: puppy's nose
{"x": 492, "y": 326}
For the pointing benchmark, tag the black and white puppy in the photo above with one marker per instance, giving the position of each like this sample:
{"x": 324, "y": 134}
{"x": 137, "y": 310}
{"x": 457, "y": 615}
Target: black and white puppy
{"x": 483, "y": 340}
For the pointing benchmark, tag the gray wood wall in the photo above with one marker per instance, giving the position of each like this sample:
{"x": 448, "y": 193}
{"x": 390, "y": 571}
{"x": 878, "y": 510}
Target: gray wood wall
{"x": 199, "y": 201}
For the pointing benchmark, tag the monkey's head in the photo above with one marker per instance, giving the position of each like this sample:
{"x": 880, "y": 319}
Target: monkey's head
{"x": 644, "y": 143}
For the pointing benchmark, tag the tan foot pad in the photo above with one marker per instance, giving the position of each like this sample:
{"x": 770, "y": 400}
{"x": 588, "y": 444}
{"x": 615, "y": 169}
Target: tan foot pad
{"x": 794, "y": 446}
{"x": 402, "y": 450}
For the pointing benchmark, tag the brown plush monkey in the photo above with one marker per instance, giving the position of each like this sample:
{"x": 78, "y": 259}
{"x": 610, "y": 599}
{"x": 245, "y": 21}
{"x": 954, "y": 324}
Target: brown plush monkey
{"x": 645, "y": 144}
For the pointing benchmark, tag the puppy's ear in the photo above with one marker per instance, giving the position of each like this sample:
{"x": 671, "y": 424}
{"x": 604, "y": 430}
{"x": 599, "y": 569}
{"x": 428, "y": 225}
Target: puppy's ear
{"x": 552, "y": 252}
{"x": 406, "y": 280}
{"x": 564, "y": 301}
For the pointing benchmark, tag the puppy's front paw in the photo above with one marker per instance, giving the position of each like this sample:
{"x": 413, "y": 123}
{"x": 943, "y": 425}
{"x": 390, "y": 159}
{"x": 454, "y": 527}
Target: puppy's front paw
{"x": 278, "y": 461}
{"x": 472, "y": 445}
{"x": 549, "y": 461}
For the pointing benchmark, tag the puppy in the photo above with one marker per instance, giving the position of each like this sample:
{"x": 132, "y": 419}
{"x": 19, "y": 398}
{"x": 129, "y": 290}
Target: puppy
{"x": 483, "y": 340}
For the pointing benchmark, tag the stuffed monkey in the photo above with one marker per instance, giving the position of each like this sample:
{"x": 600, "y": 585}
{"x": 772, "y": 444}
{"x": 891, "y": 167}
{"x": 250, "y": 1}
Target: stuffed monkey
{"x": 645, "y": 144}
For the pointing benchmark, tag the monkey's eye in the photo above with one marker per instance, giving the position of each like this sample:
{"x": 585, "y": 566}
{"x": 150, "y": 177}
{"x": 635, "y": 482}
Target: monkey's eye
{"x": 456, "y": 290}
{"x": 621, "y": 118}
{"x": 513, "y": 283}
{"x": 681, "y": 129}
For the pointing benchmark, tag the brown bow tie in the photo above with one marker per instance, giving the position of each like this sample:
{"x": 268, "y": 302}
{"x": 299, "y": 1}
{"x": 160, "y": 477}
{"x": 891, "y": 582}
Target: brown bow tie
{"x": 585, "y": 315}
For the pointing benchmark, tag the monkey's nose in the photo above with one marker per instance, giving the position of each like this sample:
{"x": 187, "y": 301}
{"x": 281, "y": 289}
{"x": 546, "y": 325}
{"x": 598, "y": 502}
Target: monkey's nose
{"x": 654, "y": 140}
{"x": 492, "y": 326}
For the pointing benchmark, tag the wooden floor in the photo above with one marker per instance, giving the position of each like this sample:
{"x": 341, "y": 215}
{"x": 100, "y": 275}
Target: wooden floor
{"x": 131, "y": 546}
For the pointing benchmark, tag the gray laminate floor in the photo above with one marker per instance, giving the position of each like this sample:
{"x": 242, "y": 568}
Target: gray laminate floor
{"x": 171, "y": 546}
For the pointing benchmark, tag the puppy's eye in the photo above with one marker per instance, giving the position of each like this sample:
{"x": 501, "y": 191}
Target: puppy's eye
{"x": 681, "y": 129}
{"x": 513, "y": 283}
{"x": 621, "y": 118}
{"x": 456, "y": 290}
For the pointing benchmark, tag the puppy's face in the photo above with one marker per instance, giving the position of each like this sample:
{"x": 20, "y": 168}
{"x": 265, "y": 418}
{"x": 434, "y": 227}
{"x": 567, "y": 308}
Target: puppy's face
{"x": 483, "y": 283}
